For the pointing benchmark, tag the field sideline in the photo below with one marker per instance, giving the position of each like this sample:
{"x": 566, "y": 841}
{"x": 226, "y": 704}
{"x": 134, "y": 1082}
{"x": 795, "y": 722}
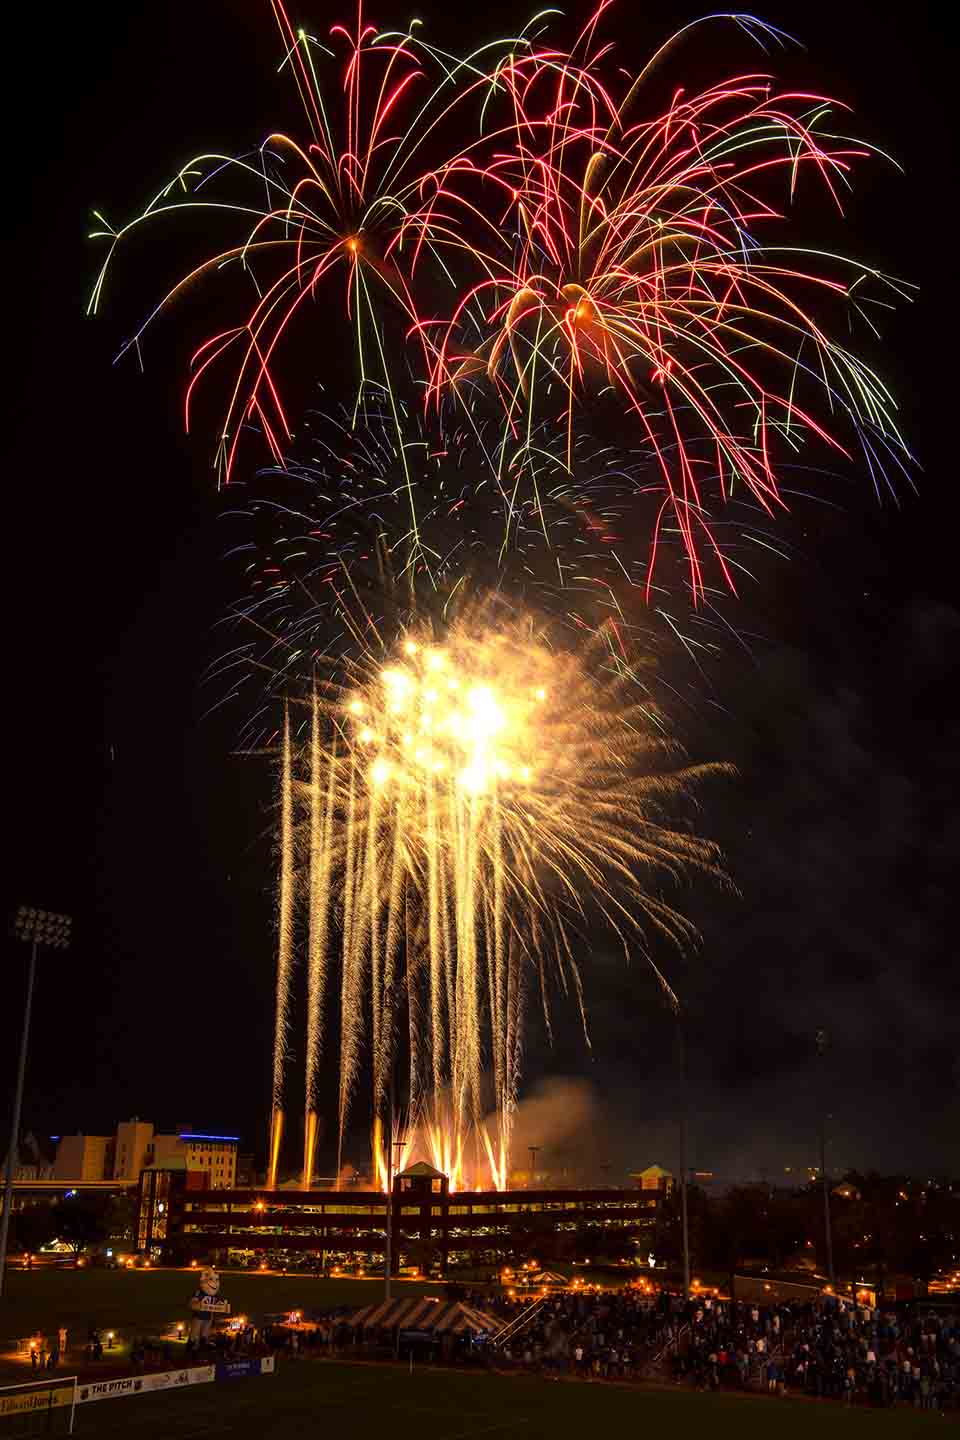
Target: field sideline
{"x": 369, "y": 1402}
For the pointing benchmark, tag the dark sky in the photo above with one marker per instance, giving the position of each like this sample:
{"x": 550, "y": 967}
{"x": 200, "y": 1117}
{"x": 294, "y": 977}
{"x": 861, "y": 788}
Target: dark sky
{"x": 126, "y": 807}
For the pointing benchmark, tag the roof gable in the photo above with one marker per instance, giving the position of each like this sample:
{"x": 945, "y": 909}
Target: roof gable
{"x": 422, "y": 1171}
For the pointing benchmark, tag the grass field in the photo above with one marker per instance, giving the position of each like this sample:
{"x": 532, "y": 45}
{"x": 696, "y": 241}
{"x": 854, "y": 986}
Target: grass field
{"x": 372, "y": 1402}
{"x": 362, "y": 1402}
{"x": 146, "y": 1300}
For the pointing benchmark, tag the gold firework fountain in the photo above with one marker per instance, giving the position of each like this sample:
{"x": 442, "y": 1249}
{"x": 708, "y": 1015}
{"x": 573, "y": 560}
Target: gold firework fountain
{"x": 453, "y": 814}
{"x": 284, "y": 955}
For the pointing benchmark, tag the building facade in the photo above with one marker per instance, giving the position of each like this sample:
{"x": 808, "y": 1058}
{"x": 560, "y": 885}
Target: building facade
{"x": 203, "y": 1153}
{"x": 330, "y": 1227}
{"x": 132, "y": 1148}
{"x": 84, "y": 1157}
{"x": 135, "y": 1146}
{"x": 32, "y": 1160}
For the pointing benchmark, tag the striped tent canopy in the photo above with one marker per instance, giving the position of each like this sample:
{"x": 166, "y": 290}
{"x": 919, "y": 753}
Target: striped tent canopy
{"x": 424, "y": 1313}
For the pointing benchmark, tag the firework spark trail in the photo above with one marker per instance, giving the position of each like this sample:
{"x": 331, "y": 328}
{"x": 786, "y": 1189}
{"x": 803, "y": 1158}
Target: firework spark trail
{"x": 635, "y": 262}
{"x": 413, "y": 966}
{"x": 429, "y": 928}
{"x": 321, "y": 799}
{"x": 590, "y": 248}
{"x": 355, "y": 202}
{"x": 439, "y": 910}
{"x": 491, "y": 517}
{"x": 285, "y": 914}
{"x": 482, "y": 794}
{"x": 350, "y": 986}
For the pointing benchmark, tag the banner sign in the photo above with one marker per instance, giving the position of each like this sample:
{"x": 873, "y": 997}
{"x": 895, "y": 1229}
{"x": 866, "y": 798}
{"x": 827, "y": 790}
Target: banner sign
{"x": 202, "y": 1304}
{"x": 252, "y": 1365}
{"x": 26, "y": 1401}
{"x": 165, "y": 1380}
{"x": 142, "y": 1384}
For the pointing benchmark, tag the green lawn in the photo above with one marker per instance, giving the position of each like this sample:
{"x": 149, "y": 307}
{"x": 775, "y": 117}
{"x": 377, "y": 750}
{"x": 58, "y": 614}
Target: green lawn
{"x": 149, "y": 1300}
{"x": 378, "y": 1401}
{"x": 362, "y": 1402}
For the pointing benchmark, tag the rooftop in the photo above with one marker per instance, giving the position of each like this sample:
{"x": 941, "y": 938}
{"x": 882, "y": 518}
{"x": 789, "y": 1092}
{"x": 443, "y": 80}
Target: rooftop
{"x": 202, "y": 1135}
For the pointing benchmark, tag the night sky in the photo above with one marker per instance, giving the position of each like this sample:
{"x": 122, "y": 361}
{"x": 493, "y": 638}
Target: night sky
{"x": 125, "y": 802}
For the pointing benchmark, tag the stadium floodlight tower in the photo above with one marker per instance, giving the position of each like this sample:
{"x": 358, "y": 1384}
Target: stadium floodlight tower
{"x": 51, "y": 930}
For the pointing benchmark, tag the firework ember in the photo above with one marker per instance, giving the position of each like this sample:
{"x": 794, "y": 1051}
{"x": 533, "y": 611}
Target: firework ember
{"x": 465, "y": 804}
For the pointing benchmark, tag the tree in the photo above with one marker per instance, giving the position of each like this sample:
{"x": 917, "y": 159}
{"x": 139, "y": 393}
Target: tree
{"x": 121, "y": 1217}
{"x": 668, "y": 1237}
{"x": 81, "y": 1222}
{"x": 33, "y": 1227}
{"x": 536, "y": 1237}
{"x": 615, "y": 1245}
{"x": 932, "y": 1239}
{"x": 750, "y": 1224}
{"x": 422, "y": 1253}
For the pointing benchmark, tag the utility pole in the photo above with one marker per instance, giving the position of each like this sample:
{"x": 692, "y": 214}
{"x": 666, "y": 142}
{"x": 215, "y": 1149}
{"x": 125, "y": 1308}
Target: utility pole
{"x": 388, "y": 1242}
{"x": 392, "y": 1144}
{"x": 388, "y": 1248}
{"x": 534, "y": 1152}
{"x": 52, "y": 931}
{"x": 682, "y": 1070}
{"x": 823, "y": 1042}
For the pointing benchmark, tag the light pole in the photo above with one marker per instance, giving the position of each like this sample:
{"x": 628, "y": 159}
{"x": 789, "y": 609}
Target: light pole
{"x": 52, "y": 931}
{"x": 682, "y": 1062}
{"x": 388, "y": 1246}
{"x": 823, "y": 1041}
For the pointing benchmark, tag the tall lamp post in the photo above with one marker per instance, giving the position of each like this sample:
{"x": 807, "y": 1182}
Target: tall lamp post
{"x": 823, "y": 1041}
{"x": 392, "y": 1166}
{"x": 681, "y": 1052}
{"x": 680, "y": 1060}
{"x": 52, "y": 931}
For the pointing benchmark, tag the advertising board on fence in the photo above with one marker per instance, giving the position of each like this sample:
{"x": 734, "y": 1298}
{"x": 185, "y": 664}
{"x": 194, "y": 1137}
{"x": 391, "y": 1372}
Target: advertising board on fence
{"x": 143, "y": 1384}
{"x": 167, "y": 1380}
{"x": 24, "y": 1401}
{"x": 246, "y": 1365}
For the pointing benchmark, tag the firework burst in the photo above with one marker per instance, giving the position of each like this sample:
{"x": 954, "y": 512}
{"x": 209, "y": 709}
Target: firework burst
{"x": 328, "y": 554}
{"x": 651, "y": 260}
{"x": 597, "y": 255}
{"x": 343, "y": 217}
{"x": 469, "y": 798}
{"x": 474, "y": 770}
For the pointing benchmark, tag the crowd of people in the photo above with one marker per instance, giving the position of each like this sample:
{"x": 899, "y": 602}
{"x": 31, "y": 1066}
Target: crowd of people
{"x": 47, "y": 1352}
{"x": 609, "y": 1334}
{"x": 827, "y": 1347}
